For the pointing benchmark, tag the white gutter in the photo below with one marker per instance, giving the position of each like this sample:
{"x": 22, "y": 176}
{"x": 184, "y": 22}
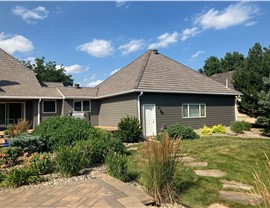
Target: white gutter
{"x": 38, "y": 117}
{"x": 30, "y": 97}
{"x": 139, "y": 106}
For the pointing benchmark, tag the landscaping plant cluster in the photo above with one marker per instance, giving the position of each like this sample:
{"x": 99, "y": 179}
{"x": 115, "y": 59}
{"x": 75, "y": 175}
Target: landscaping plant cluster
{"x": 64, "y": 145}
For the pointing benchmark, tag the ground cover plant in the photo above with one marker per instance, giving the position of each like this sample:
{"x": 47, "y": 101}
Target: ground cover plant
{"x": 238, "y": 157}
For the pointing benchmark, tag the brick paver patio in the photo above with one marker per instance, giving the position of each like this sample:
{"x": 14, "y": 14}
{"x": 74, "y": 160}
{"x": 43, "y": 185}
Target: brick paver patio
{"x": 104, "y": 191}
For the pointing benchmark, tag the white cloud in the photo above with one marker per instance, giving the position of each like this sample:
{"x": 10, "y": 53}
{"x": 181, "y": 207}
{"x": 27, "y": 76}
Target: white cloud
{"x": 31, "y": 59}
{"x": 248, "y": 24}
{"x": 12, "y": 43}
{"x": 74, "y": 69}
{"x": 31, "y": 16}
{"x": 114, "y": 71}
{"x": 120, "y": 3}
{"x": 189, "y": 32}
{"x": 164, "y": 40}
{"x": 94, "y": 83}
{"x": 234, "y": 14}
{"x": 97, "y": 48}
{"x": 197, "y": 54}
{"x": 132, "y": 46}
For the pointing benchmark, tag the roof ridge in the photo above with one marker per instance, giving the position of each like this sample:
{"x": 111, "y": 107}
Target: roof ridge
{"x": 138, "y": 80}
{"x": 118, "y": 71}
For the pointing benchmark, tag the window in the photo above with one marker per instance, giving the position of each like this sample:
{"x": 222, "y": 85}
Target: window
{"x": 81, "y": 105}
{"x": 194, "y": 110}
{"x": 49, "y": 106}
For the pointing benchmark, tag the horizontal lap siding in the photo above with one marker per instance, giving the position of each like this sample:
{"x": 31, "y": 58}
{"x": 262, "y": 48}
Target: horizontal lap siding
{"x": 219, "y": 109}
{"x": 114, "y": 108}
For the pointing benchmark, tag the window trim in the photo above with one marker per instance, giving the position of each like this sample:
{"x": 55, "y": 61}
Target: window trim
{"x": 55, "y": 106}
{"x": 200, "y": 113}
{"x": 90, "y": 105}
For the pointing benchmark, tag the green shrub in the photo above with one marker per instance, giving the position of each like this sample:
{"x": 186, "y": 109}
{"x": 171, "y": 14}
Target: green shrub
{"x": 70, "y": 160}
{"x": 41, "y": 163}
{"x": 159, "y": 168}
{"x": 27, "y": 143}
{"x": 129, "y": 129}
{"x": 63, "y": 131}
{"x": 240, "y": 126}
{"x": 98, "y": 148}
{"x": 266, "y": 132}
{"x": 20, "y": 176}
{"x": 117, "y": 166}
{"x": 182, "y": 132}
{"x": 219, "y": 129}
{"x": 205, "y": 130}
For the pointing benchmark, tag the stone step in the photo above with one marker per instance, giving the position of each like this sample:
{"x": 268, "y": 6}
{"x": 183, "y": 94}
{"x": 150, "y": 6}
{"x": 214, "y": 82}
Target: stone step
{"x": 240, "y": 197}
{"x": 216, "y": 205}
{"x": 236, "y": 185}
{"x": 210, "y": 173}
{"x": 130, "y": 201}
{"x": 186, "y": 159}
{"x": 196, "y": 164}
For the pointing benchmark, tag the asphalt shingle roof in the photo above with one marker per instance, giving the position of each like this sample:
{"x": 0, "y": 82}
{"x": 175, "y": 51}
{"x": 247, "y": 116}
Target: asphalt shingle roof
{"x": 158, "y": 73}
{"x": 150, "y": 72}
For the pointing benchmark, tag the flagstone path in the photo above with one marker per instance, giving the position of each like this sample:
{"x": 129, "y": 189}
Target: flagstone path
{"x": 232, "y": 190}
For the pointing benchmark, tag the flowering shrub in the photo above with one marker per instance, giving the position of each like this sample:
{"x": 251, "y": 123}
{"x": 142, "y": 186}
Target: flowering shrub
{"x": 8, "y": 157}
{"x": 41, "y": 162}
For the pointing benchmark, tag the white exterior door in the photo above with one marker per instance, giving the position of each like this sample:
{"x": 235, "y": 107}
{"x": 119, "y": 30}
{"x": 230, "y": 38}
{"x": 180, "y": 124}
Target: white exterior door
{"x": 149, "y": 112}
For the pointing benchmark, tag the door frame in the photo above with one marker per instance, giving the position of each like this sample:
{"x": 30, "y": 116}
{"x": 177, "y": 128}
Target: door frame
{"x": 144, "y": 121}
{"x": 7, "y": 110}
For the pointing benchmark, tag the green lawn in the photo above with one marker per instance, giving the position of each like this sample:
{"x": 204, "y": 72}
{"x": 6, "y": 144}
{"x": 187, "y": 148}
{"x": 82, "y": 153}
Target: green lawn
{"x": 236, "y": 156}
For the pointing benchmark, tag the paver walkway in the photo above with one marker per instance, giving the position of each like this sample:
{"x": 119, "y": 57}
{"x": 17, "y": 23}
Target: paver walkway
{"x": 104, "y": 191}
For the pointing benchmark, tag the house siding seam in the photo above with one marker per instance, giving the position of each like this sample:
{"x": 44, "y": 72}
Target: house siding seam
{"x": 113, "y": 109}
{"x": 219, "y": 109}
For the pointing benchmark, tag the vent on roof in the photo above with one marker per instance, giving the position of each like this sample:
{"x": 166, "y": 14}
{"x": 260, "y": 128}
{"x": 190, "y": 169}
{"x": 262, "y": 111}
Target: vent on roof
{"x": 77, "y": 86}
{"x": 155, "y": 51}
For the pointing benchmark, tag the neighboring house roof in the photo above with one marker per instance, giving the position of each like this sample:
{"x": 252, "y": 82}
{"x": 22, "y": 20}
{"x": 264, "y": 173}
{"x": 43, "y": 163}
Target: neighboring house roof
{"x": 222, "y": 77}
{"x": 157, "y": 73}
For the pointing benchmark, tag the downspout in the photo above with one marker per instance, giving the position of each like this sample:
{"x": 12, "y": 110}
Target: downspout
{"x": 235, "y": 107}
{"x": 139, "y": 106}
{"x": 38, "y": 117}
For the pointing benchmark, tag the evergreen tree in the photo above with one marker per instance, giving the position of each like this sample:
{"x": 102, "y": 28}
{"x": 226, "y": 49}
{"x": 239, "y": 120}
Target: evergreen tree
{"x": 248, "y": 79}
{"x": 264, "y": 106}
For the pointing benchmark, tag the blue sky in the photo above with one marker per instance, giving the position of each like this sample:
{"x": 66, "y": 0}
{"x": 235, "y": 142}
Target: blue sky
{"x": 94, "y": 39}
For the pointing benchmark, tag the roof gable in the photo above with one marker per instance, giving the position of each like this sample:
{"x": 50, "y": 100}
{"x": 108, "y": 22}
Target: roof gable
{"x": 125, "y": 79}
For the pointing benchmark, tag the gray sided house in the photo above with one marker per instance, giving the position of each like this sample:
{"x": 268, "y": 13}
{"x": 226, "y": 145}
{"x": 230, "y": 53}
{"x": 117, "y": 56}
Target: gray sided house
{"x": 154, "y": 88}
